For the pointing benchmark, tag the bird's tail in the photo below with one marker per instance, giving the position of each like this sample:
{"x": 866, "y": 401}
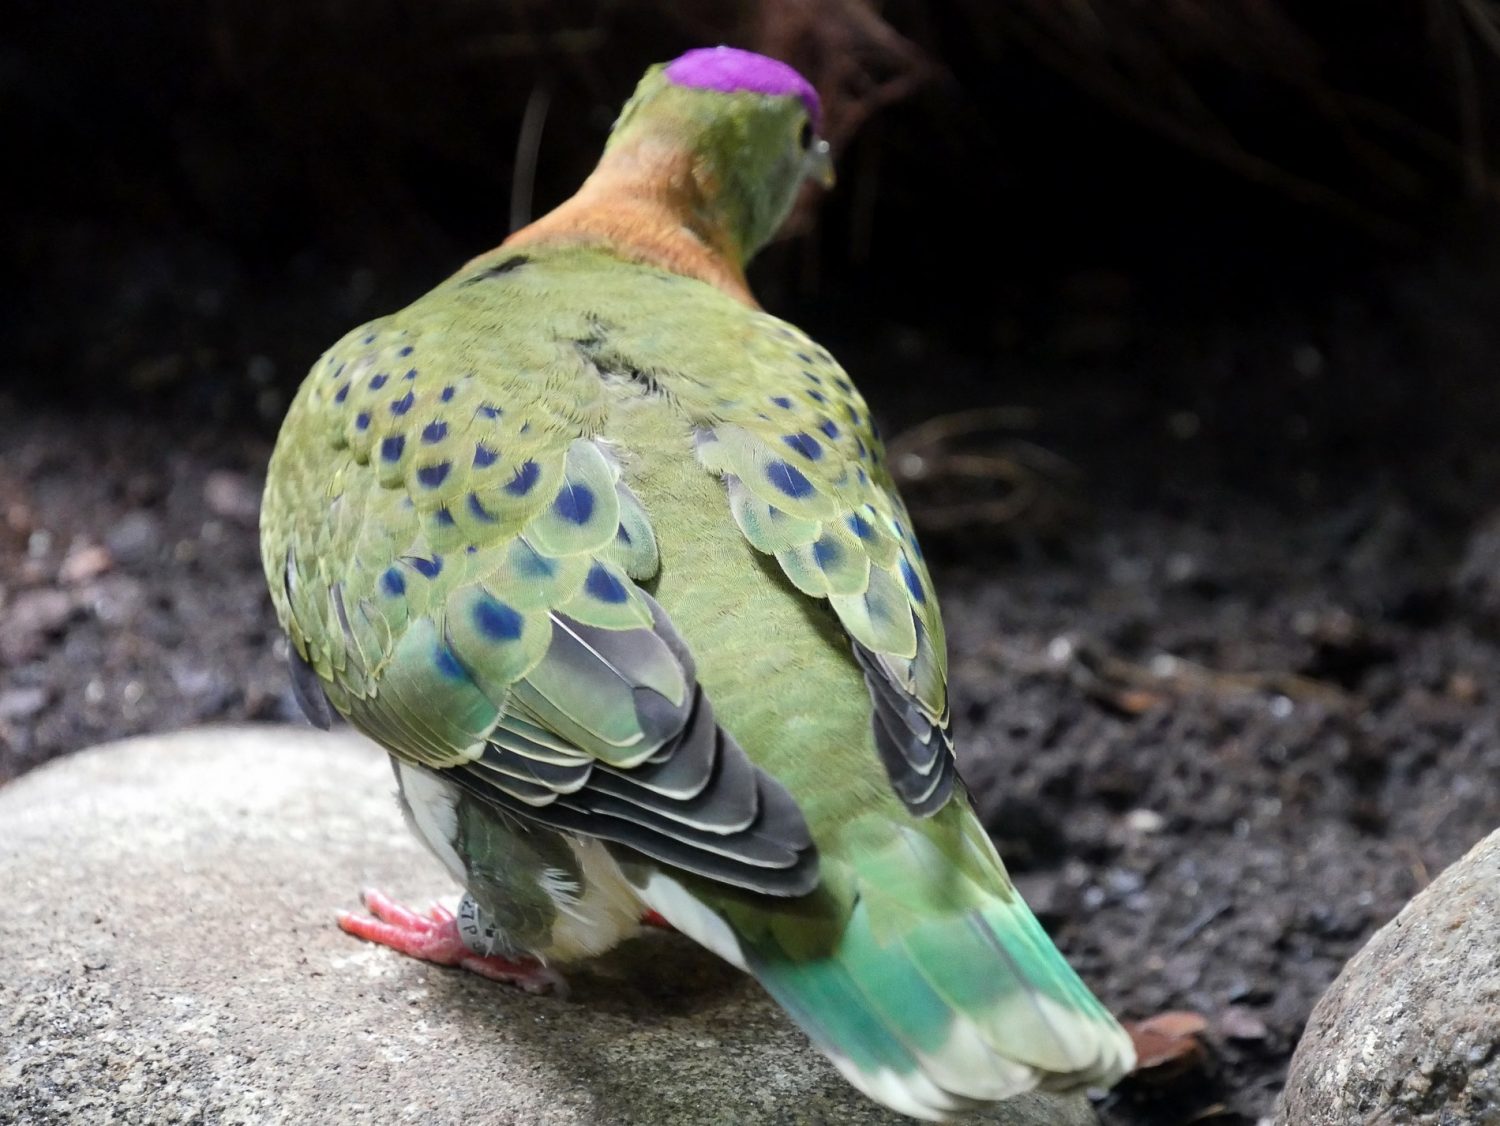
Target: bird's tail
{"x": 939, "y": 994}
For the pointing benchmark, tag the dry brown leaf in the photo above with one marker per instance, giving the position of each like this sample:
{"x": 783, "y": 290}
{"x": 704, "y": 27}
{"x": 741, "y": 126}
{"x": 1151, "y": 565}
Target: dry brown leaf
{"x": 1168, "y": 1044}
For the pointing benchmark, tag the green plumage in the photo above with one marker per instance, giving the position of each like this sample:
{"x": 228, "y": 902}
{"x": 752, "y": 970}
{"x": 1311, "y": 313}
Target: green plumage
{"x": 555, "y": 524}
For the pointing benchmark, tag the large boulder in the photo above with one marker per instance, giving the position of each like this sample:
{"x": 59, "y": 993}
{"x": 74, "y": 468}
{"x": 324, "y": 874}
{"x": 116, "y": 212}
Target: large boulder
{"x": 168, "y": 954}
{"x": 1410, "y": 1031}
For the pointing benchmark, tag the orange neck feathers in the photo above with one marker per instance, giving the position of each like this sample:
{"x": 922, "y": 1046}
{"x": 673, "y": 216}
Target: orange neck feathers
{"x": 646, "y": 201}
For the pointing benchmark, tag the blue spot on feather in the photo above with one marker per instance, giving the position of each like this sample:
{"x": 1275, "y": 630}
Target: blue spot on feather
{"x": 829, "y": 427}
{"x": 491, "y": 412}
{"x": 605, "y": 587}
{"x": 782, "y": 401}
{"x": 392, "y": 582}
{"x": 341, "y": 394}
{"x": 844, "y": 386}
{"x": 444, "y": 517}
{"x": 860, "y": 526}
{"x": 859, "y": 446}
{"x": 788, "y": 479}
{"x": 362, "y": 420}
{"x": 447, "y": 664}
{"x": 817, "y": 396}
{"x": 574, "y": 503}
{"x": 378, "y": 381}
{"x": 804, "y": 358}
{"x": 479, "y": 511}
{"x": 338, "y": 371}
{"x": 853, "y": 414}
{"x": 826, "y": 553}
{"x": 913, "y": 583}
{"x": 623, "y": 535}
{"x": 525, "y": 478}
{"x": 804, "y": 444}
{"x": 410, "y": 375}
{"x": 370, "y": 339}
{"x": 390, "y": 448}
{"x": 434, "y": 432}
{"x": 427, "y": 568}
{"x": 484, "y": 457}
{"x": 433, "y": 475}
{"x": 497, "y": 621}
{"x": 402, "y": 405}
{"x": 447, "y": 395}
{"x": 407, "y": 351}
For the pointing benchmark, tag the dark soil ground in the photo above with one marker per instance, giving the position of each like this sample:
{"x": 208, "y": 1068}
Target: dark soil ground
{"x": 1226, "y": 694}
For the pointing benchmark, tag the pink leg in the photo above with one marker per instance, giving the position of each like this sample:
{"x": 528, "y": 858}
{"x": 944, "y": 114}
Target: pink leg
{"x": 434, "y": 938}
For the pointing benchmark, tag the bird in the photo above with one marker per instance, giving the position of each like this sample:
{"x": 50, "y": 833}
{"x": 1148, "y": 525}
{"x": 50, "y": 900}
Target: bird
{"x": 610, "y": 561}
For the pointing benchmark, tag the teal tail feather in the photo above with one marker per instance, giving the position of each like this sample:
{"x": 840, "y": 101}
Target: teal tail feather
{"x": 933, "y": 1015}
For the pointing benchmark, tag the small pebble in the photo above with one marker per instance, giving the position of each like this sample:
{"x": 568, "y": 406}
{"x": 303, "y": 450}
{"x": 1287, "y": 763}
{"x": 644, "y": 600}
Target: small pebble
{"x": 1239, "y": 1023}
{"x": 23, "y": 703}
{"x": 232, "y": 496}
{"x": 31, "y": 617}
{"x": 1145, "y": 821}
{"x": 134, "y": 538}
{"x": 83, "y": 563}
{"x": 117, "y": 600}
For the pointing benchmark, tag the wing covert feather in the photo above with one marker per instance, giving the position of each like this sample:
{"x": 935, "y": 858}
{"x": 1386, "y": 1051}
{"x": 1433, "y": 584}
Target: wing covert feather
{"x": 804, "y": 469}
{"x": 487, "y": 619}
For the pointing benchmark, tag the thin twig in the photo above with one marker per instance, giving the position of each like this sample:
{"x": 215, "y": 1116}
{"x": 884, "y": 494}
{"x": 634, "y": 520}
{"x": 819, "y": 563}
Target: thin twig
{"x": 528, "y": 150}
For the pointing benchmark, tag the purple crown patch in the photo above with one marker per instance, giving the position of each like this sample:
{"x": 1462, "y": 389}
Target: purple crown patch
{"x": 728, "y": 69}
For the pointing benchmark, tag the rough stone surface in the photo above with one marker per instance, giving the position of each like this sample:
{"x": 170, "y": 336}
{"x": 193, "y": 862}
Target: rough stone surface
{"x": 1410, "y": 1031}
{"x": 168, "y": 954}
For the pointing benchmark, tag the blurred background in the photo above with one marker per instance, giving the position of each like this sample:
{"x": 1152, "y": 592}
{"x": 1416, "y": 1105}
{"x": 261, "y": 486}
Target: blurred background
{"x": 1182, "y": 315}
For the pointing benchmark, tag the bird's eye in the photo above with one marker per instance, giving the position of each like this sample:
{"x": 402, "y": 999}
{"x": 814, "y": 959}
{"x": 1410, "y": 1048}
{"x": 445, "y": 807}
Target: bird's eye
{"x": 805, "y": 139}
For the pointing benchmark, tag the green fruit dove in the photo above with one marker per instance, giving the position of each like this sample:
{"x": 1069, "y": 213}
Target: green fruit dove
{"x": 609, "y": 560}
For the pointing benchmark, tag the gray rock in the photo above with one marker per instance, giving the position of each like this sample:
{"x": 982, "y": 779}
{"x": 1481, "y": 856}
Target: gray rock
{"x": 168, "y": 954}
{"x": 1410, "y": 1031}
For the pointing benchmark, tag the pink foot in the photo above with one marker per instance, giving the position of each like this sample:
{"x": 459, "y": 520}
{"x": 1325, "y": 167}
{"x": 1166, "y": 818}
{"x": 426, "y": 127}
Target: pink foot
{"x": 434, "y": 938}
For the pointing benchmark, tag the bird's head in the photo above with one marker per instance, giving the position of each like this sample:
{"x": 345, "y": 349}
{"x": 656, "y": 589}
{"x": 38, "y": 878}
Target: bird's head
{"x": 750, "y": 126}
